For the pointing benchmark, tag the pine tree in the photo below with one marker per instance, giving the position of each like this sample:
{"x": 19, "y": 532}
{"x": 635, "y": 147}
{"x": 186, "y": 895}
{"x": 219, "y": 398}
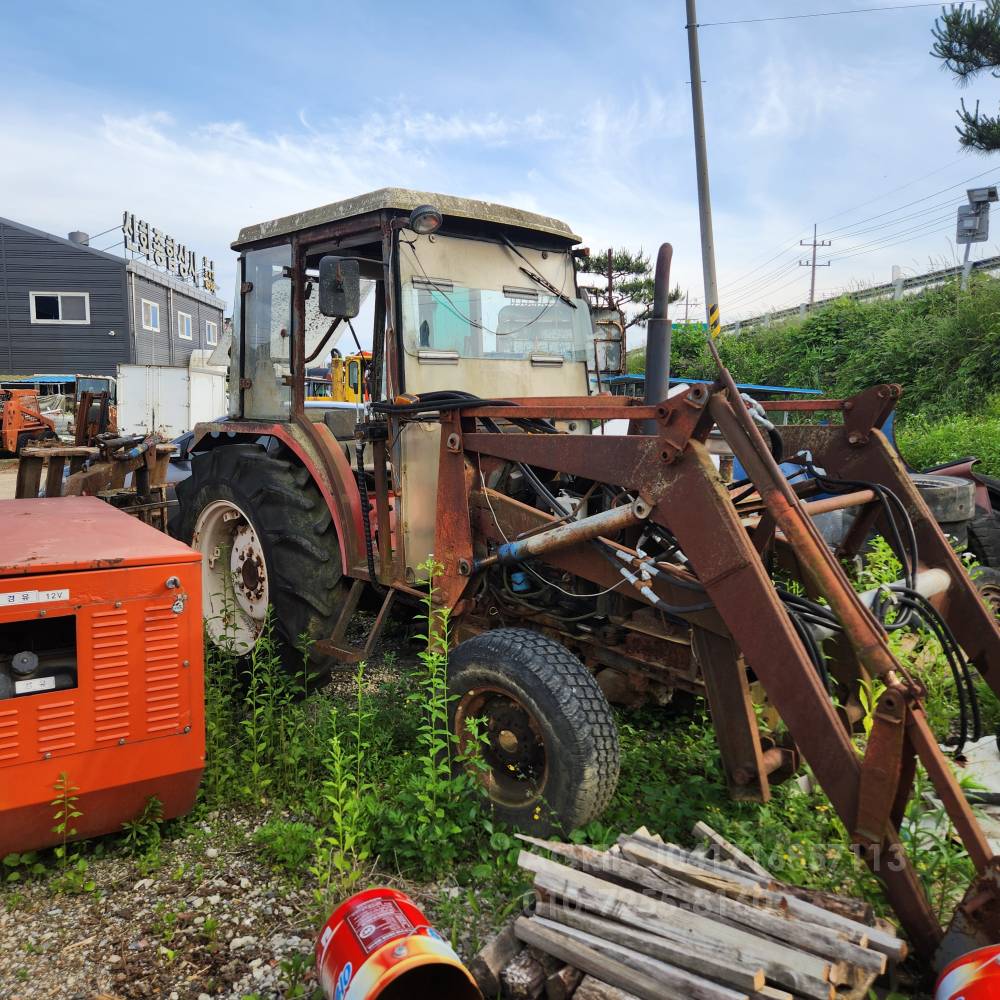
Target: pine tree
{"x": 631, "y": 284}
{"x": 967, "y": 41}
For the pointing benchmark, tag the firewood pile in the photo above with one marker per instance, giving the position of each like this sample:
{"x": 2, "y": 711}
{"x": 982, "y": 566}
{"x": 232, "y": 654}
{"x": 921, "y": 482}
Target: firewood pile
{"x": 650, "y": 920}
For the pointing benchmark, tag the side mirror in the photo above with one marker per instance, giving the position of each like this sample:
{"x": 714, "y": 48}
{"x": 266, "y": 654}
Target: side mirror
{"x": 339, "y": 287}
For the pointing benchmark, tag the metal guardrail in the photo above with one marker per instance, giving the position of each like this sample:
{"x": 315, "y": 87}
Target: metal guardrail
{"x": 895, "y": 288}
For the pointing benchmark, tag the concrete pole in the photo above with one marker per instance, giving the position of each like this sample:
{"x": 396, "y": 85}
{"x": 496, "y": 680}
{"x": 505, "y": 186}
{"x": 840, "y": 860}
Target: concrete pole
{"x": 701, "y": 160}
{"x": 966, "y": 267}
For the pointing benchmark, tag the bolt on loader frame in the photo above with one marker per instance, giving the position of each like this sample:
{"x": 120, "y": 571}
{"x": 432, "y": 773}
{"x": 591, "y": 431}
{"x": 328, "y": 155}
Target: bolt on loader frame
{"x": 565, "y": 552}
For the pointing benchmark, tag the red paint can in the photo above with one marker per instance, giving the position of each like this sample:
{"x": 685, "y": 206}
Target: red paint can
{"x": 378, "y": 944}
{"x": 975, "y": 976}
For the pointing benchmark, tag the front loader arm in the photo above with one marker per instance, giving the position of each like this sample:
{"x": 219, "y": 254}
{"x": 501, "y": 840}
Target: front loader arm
{"x": 672, "y": 472}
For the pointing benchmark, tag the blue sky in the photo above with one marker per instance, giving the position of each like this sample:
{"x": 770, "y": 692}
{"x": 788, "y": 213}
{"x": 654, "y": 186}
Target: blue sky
{"x": 205, "y": 117}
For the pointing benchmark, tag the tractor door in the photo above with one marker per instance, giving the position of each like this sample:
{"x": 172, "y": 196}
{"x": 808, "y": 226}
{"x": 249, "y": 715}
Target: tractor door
{"x": 261, "y": 348}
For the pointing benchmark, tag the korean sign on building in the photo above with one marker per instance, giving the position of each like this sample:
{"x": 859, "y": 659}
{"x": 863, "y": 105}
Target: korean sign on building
{"x": 164, "y": 251}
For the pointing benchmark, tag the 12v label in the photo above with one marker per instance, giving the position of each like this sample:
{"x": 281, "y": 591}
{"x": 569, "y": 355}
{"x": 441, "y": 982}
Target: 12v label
{"x": 18, "y": 597}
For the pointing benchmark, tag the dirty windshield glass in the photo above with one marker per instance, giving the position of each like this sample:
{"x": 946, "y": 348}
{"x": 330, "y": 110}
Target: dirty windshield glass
{"x": 481, "y": 300}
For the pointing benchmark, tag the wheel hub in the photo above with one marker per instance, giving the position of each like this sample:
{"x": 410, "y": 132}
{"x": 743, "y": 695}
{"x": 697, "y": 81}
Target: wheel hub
{"x": 513, "y": 750}
{"x": 234, "y": 576}
{"x": 249, "y": 571}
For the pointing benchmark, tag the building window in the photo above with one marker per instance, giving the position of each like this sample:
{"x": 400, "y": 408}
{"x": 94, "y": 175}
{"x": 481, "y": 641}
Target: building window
{"x": 184, "y": 326}
{"x": 150, "y": 316}
{"x": 71, "y": 308}
{"x": 211, "y": 333}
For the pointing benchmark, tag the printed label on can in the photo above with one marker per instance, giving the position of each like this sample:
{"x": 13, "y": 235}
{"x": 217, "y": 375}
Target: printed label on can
{"x": 376, "y": 921}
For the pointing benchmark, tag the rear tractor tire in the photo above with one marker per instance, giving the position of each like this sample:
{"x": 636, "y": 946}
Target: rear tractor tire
{"x": 266, "y": 539}
{"x": 549, "y": 760}
{"x": 984, "y": 539}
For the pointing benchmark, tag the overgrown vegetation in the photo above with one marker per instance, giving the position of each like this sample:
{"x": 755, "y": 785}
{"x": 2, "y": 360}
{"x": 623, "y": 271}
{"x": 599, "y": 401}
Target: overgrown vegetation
{"x": 353, "y": 784}
{"x": 942, "y": 346}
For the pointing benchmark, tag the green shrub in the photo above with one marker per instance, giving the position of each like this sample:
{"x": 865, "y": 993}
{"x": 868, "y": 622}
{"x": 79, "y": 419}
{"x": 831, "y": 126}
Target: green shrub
{"x": 926, "y": 441}
{"x": 286, "y": 843}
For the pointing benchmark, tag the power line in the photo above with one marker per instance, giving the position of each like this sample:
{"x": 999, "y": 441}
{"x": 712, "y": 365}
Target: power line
{"x": 916, "y": 201}
{"x": 828, "y": 13}
{"x": 741, "y": 289}
{"x": 788, "y": 247}
{"x": 902, "y": 187}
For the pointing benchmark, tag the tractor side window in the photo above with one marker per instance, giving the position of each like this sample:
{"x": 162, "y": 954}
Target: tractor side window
{"x": 267, "y": 327}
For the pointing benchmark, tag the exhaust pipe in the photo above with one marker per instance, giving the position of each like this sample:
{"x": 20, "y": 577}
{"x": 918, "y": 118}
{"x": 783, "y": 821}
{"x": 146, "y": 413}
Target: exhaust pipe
{"x": 658, "y": 336}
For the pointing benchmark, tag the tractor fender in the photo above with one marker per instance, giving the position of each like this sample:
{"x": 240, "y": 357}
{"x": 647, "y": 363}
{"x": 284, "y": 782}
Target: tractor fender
{"x": 340, "y": 491}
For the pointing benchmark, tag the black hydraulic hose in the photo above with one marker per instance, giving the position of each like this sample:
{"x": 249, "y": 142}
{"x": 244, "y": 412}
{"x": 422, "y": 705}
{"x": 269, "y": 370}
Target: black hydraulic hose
{"x": 952, "y": 650}
{"x": 812, "y": 647}
{"x": 359, "y": 451}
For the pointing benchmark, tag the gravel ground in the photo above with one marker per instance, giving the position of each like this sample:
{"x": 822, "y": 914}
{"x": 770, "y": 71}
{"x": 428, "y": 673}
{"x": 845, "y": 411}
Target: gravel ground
{"x": 210, "y": 922}
{"x": 8, "y": 478}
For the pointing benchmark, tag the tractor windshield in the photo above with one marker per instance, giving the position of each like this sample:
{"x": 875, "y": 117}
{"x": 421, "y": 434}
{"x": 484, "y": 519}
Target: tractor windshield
{"x": 482, "y": 299}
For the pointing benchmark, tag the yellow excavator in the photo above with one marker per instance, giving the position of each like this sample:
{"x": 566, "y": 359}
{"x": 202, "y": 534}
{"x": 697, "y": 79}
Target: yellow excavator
{"x": 347, "y": 382}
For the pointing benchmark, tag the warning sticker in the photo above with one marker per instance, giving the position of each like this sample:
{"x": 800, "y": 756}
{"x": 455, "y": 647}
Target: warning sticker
{"x": 376, "y": 921}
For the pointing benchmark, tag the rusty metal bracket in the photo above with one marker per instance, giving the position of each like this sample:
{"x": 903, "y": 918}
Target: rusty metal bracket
{"x": 881, "y": 770}
{"x": 868, "y": 410}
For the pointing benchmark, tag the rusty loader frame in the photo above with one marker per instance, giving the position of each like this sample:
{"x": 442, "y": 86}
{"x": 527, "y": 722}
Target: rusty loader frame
{"x": 673, "y": 474}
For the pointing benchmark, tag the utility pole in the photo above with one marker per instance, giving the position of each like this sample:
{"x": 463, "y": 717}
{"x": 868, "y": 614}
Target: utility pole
{"x": 611, "y": 254}
{"x": 805, "y": 263}
{"x": 701, "y": 160}
{"x": 687, "y": 305}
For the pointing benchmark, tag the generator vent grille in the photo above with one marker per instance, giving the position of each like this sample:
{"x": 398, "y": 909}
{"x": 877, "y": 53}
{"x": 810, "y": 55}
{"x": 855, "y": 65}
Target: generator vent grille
{"x": 109, "y": 639}
{"x": 9, "y": 745}
{"x": 161, "y": 636}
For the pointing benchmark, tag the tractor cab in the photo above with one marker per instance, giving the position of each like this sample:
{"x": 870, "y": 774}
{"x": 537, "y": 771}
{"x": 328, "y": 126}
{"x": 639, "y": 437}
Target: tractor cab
{"x": 459, "y": 294}
{"x": 448, "y": 294}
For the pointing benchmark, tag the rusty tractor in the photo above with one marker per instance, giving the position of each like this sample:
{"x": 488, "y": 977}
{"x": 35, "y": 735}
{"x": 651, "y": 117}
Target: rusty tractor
{"x": 581, "y": 563}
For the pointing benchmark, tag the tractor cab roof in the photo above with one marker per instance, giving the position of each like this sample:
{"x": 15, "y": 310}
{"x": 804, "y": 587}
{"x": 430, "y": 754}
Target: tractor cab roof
{"x": 395, "y": 201}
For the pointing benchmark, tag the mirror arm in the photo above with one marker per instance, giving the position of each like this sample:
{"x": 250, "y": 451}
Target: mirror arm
{"x": 326, "y": 337}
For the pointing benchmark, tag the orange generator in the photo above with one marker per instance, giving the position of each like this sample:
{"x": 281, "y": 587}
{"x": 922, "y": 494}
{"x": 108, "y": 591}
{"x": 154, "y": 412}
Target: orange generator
{"x": 101, "y": 669}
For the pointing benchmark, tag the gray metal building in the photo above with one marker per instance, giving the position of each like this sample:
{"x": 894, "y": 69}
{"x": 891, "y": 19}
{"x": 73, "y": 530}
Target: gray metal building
{"x": 67, "y": 307}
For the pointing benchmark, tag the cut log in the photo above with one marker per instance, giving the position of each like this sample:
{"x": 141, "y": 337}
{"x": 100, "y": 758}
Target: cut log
{"x": 804, "y": 973}
{"x": 523, "y": 978}
{"x": 562, "y": 984}
{"x": 730, "y": 851}
{"x": 663, "y": 855}
{"x": 778, "y": 925}
{"x": 648, "y": 978}
{"x": 495, "y": 955}
{"x": 593, "y": 989}
{"x": 730, "y": 968}
{"x": 770, "y": 993}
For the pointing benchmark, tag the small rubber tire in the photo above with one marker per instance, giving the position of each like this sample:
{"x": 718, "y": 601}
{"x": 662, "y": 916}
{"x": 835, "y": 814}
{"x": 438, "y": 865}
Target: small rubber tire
{"x": 297, "y": 535}
{"x": 951, "y": 499}
{"x": 984, "y": 539}
{"x": 566, "y": 709}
